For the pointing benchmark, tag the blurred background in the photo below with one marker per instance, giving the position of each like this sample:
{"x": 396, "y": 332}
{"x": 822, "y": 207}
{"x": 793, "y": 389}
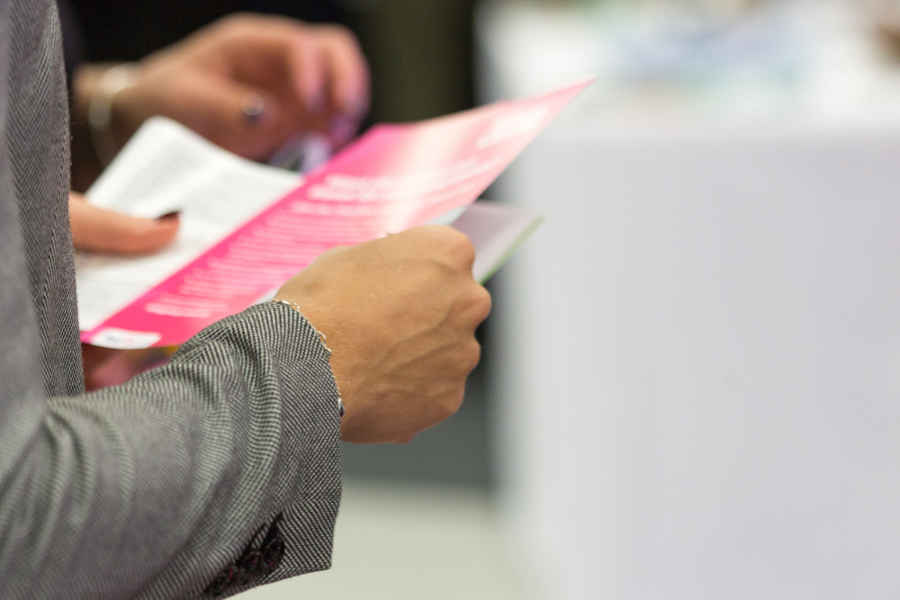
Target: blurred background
{"x": 687, "y": 388}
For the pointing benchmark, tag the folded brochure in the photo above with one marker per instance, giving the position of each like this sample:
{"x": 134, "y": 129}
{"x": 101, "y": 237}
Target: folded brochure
{"x": 246, "y": 228}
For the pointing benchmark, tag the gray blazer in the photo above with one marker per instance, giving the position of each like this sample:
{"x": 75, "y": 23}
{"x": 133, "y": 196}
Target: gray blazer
{"x": 215, "y": 473}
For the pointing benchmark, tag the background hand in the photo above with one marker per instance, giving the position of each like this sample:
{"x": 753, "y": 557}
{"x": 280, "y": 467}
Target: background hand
{"x": 400, "y": 315}
{"x": 248, "y": 83}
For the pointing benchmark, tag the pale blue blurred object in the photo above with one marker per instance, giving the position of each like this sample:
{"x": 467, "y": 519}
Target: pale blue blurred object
{"x": 697, "y": 51}
{"x": 815, "y": 59}
{"x": 658, "y": 43}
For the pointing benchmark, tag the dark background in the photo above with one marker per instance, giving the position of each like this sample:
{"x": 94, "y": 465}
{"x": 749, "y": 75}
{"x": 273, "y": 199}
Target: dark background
{"x": 420, "y": 51}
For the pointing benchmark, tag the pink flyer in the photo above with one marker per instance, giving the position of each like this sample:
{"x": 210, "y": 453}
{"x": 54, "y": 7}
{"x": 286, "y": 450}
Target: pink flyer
{"x": 392, "y": 178}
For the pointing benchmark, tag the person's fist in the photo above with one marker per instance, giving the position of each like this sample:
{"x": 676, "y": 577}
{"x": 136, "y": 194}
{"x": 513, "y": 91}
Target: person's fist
{"x": 399, "y": 314}
{"x": 248, "y": 83}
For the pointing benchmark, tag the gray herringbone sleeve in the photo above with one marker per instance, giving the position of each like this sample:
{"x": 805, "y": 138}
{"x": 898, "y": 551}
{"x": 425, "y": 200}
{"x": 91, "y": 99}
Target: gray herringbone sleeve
{"x": 173, "y": 481}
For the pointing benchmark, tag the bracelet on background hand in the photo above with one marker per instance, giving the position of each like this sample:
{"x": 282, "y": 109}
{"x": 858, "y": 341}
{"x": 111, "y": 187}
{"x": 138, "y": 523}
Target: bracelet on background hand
{"x": 111, "y": 82}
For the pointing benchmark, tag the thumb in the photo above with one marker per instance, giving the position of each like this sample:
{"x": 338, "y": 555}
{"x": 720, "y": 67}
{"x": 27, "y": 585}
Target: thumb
{"x": 96, "y": 229}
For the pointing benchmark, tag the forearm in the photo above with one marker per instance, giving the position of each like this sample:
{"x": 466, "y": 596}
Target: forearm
{"x": 150, "y": 489}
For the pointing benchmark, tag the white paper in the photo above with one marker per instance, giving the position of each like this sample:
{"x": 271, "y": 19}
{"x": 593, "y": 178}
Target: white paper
{"x": 496, "y": 231}
{"x": 166, "y": 168}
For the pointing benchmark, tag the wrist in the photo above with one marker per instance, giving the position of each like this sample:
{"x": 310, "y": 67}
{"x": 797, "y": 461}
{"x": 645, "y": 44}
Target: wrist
{"x": 98, "y": 92}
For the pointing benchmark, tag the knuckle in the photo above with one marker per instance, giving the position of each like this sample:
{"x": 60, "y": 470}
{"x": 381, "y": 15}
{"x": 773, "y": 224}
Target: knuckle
{"x": 433, "y": 231}
{"x": 446, "y": 242}
{"x": 474, "y": 305}
{"x": 460, "y": 246}
{"x": 481, "y": 300}
{"x": 471, "y": 355}
{"x": 452, "y": 402}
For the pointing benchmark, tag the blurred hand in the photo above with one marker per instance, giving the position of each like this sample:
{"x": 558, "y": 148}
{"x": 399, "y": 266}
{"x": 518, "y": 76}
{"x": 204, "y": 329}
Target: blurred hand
{"x": 96, "y": 229}
{"x": 400, "y": 315}
{"x": 248, "y": 83}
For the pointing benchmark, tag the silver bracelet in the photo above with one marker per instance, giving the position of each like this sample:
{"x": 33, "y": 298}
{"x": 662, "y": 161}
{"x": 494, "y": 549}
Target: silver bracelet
{"x": 322, "y": 338}
{"x": 112, "y": 81}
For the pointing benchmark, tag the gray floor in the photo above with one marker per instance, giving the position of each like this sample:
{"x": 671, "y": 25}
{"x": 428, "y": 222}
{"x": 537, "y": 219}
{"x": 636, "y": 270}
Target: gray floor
{"x": 417, "y": 520}
{"x": 408, "y": 542}
{"x": 455, "y": 452}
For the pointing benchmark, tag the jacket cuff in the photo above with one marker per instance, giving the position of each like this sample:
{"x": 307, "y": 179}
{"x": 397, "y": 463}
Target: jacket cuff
{"x": 310, "y": 425}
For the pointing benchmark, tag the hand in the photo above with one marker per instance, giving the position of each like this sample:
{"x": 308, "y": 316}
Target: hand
{"x": 248, "y": 83}
{"x": 96, "y": 229}
{"x": 399, "y": 314}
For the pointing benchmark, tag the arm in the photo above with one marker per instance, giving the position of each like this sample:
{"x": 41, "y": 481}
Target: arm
{"x": 153, "y": 488}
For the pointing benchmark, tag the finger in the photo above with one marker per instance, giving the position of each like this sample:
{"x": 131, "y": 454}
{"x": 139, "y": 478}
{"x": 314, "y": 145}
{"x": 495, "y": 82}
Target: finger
{"x": 96, "y": 229}
{"x": 104, "y": 367}
{"x": 272, "y": 51}
{"x": 347, "y": 71}
{"x": 327, "y": 68}
{"x": 324, "y": 65}
{"x": 307, "y": 70}
{"x": 471, "y": 358}
{"x": 341, "y": 131}
{"x": 476, "y": 306}
{"x": 454, "y": 246}
{"x": 446, "y": 244}
{"x": 238, "y": 117}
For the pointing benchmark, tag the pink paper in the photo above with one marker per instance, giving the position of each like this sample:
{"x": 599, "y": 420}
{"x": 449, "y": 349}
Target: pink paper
{"x": 392, "y": 178}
